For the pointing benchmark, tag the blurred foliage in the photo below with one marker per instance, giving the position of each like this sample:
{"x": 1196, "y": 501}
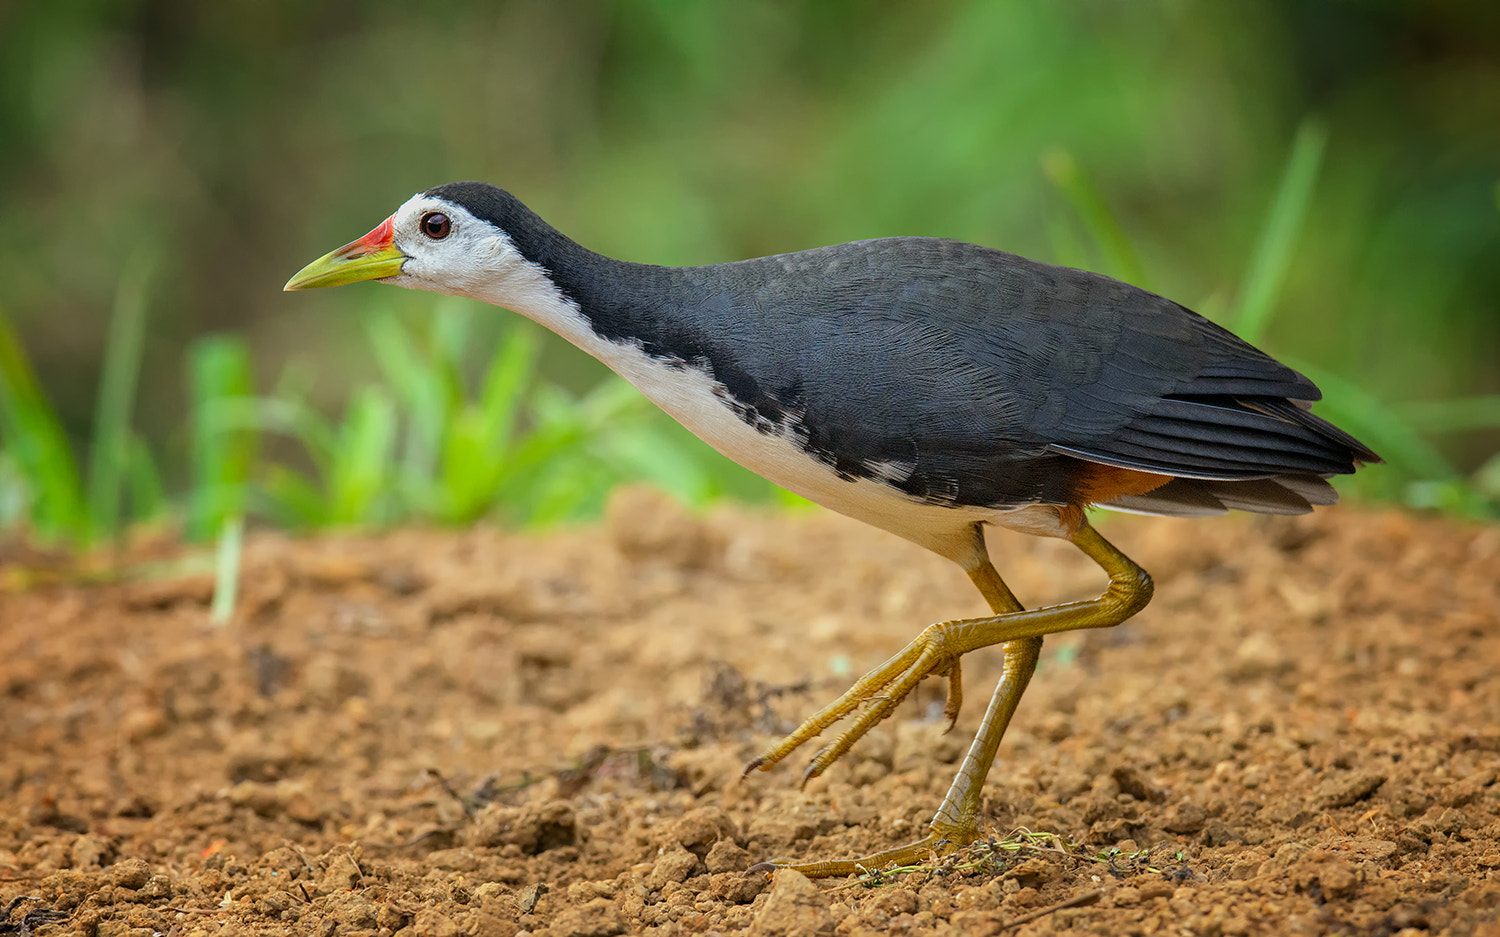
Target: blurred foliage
{"x": 191, "y": 156}
{"x": 420, "y": 447}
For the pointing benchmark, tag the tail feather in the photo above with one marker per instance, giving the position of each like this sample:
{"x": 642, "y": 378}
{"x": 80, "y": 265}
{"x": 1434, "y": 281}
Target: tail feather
{"x": 1197, "y": 497}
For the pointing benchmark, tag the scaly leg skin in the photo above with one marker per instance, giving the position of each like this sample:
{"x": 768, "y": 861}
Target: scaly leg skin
{"x": 937, "y": 650}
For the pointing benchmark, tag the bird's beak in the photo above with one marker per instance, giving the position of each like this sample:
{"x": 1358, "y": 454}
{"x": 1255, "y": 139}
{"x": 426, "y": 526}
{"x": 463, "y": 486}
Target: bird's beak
{"x": 372, "y": 257}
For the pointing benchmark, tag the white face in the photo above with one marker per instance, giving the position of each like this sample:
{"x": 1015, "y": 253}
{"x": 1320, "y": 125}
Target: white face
{"x": 450, "y": 251}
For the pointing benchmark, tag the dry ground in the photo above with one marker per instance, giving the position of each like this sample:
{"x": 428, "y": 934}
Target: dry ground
{"x": 434, "y": 733}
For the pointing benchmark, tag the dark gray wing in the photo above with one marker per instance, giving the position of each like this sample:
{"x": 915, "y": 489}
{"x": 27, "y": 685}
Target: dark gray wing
{"x": 981, "y": 369}
{"x": 964, "y": 375}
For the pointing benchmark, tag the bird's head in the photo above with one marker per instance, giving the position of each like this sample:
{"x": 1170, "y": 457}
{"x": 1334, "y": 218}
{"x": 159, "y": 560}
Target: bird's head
{"x": 430, "y": 243}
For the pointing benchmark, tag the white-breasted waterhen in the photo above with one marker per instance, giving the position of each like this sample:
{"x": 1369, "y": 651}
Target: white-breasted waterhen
{"x": 925, "y": 386}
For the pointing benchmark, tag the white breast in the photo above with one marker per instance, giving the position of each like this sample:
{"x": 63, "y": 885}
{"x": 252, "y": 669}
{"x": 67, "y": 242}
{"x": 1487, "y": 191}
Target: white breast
{"x": 700, "y": 403}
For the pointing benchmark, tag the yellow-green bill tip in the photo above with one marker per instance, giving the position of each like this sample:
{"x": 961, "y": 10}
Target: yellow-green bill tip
{"x": 372, "y": 257}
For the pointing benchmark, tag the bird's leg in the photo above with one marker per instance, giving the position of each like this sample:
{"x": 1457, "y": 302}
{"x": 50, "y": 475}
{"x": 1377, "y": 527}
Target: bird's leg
{"x": 956, "y": 822}
{"x": 1001, "y": 599}
{"x": 933, "y": 651}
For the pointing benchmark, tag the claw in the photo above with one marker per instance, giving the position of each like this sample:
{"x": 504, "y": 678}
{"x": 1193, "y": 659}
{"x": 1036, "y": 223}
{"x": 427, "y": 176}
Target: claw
{"x": 955, "y": 701}
{"x": 811, "y": 771}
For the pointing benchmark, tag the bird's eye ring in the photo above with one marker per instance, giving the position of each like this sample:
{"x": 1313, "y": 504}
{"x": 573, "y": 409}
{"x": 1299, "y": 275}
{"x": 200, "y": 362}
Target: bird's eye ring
{"x": 436, "y": 225}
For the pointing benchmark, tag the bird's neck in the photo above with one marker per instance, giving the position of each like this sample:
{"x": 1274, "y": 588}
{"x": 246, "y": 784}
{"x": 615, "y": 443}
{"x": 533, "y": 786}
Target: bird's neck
{"x": 586, "y": 296}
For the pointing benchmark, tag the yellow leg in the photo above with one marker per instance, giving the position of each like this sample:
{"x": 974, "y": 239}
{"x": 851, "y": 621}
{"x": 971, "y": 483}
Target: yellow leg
{"x": 937, "y": 650}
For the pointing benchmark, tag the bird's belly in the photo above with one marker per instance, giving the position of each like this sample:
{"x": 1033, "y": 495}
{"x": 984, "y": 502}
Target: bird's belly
{"x": 701, "y": 404}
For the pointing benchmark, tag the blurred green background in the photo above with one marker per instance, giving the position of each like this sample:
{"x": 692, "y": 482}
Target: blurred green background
{"x": 168, "y": 164}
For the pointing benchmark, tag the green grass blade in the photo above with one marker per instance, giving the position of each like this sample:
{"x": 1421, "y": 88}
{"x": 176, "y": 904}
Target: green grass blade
{"x": 1273, "y": 254}
{"x": 574, "y": 488}
{"x": 394, "y": 350}
{"x": 37, "y": 444}
{"x": 222, "y": 455}
{"x": 544, "y": 470}
{"x": 227, "y": 570}
{"x": 108, "y": 462}
{"x": 13, "y": 493}
{"x": 1456, "y": 415}
{"x": 1120, "y": 259}
{"x": 506, "y": 381}
{"x": 477, "y": 457}
{"x": 1487, "y": 479}
{"x": 470, "y": 473}
{"x": 1377, "y": 425}
{"x": 148, "y": 496}
{"x": 1068, "y": 248}
{"x": 452, "y": 328}
{"x": 258, "y": 415}
{"x": 361, "y": 476}
{"x": 291, "y": 499}
{"x": 646, "y": 453}
{"x": 424, "y": 395}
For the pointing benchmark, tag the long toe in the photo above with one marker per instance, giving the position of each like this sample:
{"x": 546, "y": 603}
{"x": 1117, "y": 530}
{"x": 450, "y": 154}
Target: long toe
{"x": 880, "y": 691}
{"x": 935, "y": 844}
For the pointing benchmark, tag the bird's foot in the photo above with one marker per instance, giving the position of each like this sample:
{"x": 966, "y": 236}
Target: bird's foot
{"x": 935, "y": 651}
{"x": 941, "y": 840}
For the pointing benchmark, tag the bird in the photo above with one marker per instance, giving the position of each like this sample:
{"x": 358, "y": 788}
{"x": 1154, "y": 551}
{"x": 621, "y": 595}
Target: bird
{"x": 926, "y": 386}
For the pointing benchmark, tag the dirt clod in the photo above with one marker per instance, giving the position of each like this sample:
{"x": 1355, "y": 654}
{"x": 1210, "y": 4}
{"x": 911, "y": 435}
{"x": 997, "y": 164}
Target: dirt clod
{"x": 534, "y": 828}
{"x": 1341, "y": 790}
{"x": 342, "y": 872}
{"x": 1185, "y": 819}
{"x": 725, "y": 856}
{"x": 674, "y": 864}
{"x": 433, "y": 923}
{"x": 1130, "y": 781}
{"x": 700, "y": 830}
{"x": 737, "y": 887}
{"x": 598, "y": 918}
{"x": 795, "y": 907}
{"x": 131, "y": 873}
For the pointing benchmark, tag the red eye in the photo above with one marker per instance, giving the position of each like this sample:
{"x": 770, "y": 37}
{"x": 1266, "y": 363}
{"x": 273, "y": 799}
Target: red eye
{"x": 436, "y": 225}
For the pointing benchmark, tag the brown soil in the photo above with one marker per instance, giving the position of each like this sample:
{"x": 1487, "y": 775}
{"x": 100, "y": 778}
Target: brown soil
{"x": 484, "y": 733}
